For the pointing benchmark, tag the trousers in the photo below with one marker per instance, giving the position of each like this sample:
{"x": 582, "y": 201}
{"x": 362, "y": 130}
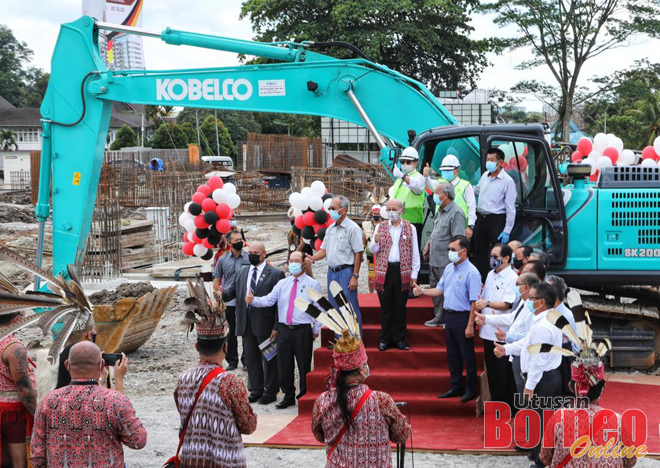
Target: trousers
{"x": 435, "y": 274}
{"x": 393, "y": 307}
{"x": 293, "y": 345}
{"x": 500, "y": 375}
{"x": 262, "y": 374}
{"x": 343, "y": 277}
{"x": 460, "y": 352}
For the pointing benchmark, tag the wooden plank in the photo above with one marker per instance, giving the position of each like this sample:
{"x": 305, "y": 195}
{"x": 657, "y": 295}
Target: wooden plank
{"x": 137, "y": 225}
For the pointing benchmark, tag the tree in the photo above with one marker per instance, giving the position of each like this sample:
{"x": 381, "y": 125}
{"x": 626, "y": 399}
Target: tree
{"x": 565, "y": 34}
{"x": 169, "y": 136}
{"x": 36, "y": 83}
{"x": 191, "y": 134}
{"x": 238, "y": 123}
{"x": 428, "y": 40}
{"x": 208, "y": 135}
{"x": 13, "y": 55}
{"x": 125, "y": 137}
{"x": 157, "y": 114}
{"x": 648, "y": 113}
{"x": 290, "y": 124}
{"x": 8, "y": 140}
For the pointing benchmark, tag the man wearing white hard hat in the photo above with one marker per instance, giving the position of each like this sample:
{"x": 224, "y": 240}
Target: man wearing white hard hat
{"x": 409, "y": 188}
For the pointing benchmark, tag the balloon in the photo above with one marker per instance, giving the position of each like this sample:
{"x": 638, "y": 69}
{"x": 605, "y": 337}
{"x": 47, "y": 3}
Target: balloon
{"x": 200, "y": 223}
{"x": 321, "y": 233}
{"x": 229, "y": 188}
{"x": 308, "y": 218}
{"x": 186, "y": 206}
{"x": 611, "y": 139}
{"x": 307, "y": 232}
{"x": 590, "y": 162}
{"x": 200, "y": 250}
{"x": 215, "y": 182}
{"x": 317, "y": 244}
{"x": 522, "y": 161}
{"x": 315, "y": 203}
{"x": 656, "y": 145}
{"x": 223, "y": 226}
{"x": 188, "y": 248}
{"x": 202, "y": 233}
{"x": 649, "y": 153}
{"x": 195, "y": 239}
{"x": 207, "y": 244}
{"x": 507, "y": 149}
{"x": 390, "y": 191}
{"x": 648, "y": 162}
{"x": 190, "y": 225}
{"x": 600, "y": 142}
{"x": 576, "y": 157}
{"x": 626, "y": 158}
{"x": 295, "y": 200}
{"x": 611, "y": 153}
{"x": 519, "y": 147}
{"x": 321, "y": 217}
{"x": 233, "y": 200}
{"x": 300, "y": 222}
{"x": 223, "y": 211}
{"x": 210, "y": 217}
{"x": 306, "y": 192}
{"x": 604, "y": 161}
{"x": 318, "y": 227}
{"x": 186, "y": 237}
{"x": 182, "y": 218}
{"x": 219, "y": 196}
{"x": 584, "y": 146}
{"x": 307, "y": 241}
{"x": 208, "y": 205}
{"x": 296, "y": 230}
{"x": 326, "y": 203}
{"x": 617, "y": 144}
{"x": 205, "y": 189}
{"x": 595, "y": 155}
{"x": 214, "y": 239}
{"x": 198, "y": 197}
{"x": 326, "y": 196}
{"x": 297, "y": 212}
{"x": 318, "y": 188}
{"x": 208, "y": 255}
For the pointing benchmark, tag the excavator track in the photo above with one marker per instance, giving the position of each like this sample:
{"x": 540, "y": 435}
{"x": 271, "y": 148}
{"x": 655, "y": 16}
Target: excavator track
{"x": 645, "y": 301}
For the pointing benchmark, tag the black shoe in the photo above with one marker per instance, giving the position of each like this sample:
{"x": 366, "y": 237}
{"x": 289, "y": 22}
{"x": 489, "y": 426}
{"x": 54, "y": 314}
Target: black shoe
{"x": 450, "y": 394}
{"x": 467, "y": 396}
{"x": 231, "y": 367}
{"x": 285, "y": 404}
{"x": 266, "y": 400}
{"x": 402, "y": 345}
{"x": 382, "y": 347}
{"x": 300, "y": 395}
{"x": 518, "y": 448}
{"x": 253, "y": 398}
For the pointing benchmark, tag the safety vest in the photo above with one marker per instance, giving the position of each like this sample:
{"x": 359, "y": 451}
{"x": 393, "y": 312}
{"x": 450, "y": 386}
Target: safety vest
{"x": 414, "y": 203}
{"x": 459, "y": 196}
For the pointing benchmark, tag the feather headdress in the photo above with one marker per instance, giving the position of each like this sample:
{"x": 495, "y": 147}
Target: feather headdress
{"x": 204, "y": 313}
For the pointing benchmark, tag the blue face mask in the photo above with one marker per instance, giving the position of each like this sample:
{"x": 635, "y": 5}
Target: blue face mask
{"x": 530, "y": 306}
{"x": 436, "y": 199}
{"x": 232, "y": 223}
{"x": 334, "y": 215}
{"x": 448, "y": 175}
{"x": 295, "y": 268}
{"x": 491, "y": 166}
{"x": 518, "y": 294}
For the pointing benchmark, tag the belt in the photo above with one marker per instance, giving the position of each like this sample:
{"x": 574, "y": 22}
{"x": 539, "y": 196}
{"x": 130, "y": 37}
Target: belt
{"x": 295, "y": 327}
{"x": 485, "y": 215}
{"x": 456, "y": 311}
{"x": 394, "y": 264}
{"x": 339, "y": 268}
{"x": 524, "y": 374}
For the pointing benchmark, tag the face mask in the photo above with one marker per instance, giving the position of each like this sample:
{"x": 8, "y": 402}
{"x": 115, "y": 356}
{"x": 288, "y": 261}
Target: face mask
{"x": 436, "y": 199}
{"x": 448, "y": 175}
{"x": 334, "y": 215}
{"x": 295, "y": 268}
{"x": 495, "y": 263}
{"x": 376, "y": 218}
{"x": 517, "y": 264}
{"x": 454, "y": 256}
{"x": 407, "y": 168}
{"x": 254, "y": 259}
{"x": 518, "y": 292}
{"x": 530, "y": 306}
{"x": 238, "y": 246}
{"x": 232, "y": 223}
{"x": 491, "y": 166}
{"x": 394, "y": 216}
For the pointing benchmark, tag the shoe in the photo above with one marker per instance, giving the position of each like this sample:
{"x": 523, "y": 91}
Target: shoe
{"x": 253, "y": 398}
{"x": 285, "y": 404}
{"x": 382, "y": 347}
{"x": 450, "y": 394}
{"x": 266, "y": 400}
{"x": 518, "y": 448}
{"x": 467, "y": 396}
{"x": 300, "y": 395}
{"x": 434, "y": 322}
{"x": 402, "y": 345}
{"x": 231, "y": 367}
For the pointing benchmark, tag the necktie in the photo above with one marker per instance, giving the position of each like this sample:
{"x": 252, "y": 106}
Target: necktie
{"x": 253, "y": 285}
{"x": 292, "y": 299}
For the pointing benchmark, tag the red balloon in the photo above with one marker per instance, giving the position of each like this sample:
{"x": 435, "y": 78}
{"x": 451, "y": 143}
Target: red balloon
{"x": 188, "y": 248}
{"x": 308, "y": 218}
{"x": 300, "y": 222}
{"x": 576, "y": 157}
{"x": 611, "y": 153}
{"x": 585, "y": 146}
{"x": 195, "y": 239}
{"x": 506, "y": 166}
{"x": 317, "y": 244}
{"x": 205, "y": 189}
{"x": 198, "y": 197}
{"x": 649, "y": 153}
{"x": 223, "y": 211}
{"x": 223, "y": 226}
{"x": 514, "y": 164}
{"x": 330, "y": 222}
{"x": 525, "y": 152}
{"x": 215, "y": 182}
{"x": 318, "y": 227}
{"x": 208, "y": 204}
{"x": 207, "y": 244}
{"x": 200, "y": 223}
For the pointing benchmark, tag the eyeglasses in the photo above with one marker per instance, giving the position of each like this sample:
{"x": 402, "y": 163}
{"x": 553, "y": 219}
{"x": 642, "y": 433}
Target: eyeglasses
{"x": 494, "y": 257}
{"x": 534, "y": 299}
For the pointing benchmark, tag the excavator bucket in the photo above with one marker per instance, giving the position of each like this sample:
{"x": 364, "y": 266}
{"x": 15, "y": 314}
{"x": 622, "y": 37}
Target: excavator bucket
{"x": 129, "y": 323}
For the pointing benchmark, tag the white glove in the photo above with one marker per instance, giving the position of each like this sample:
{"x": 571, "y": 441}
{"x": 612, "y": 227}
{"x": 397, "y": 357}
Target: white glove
{"x": 396, "y": 172}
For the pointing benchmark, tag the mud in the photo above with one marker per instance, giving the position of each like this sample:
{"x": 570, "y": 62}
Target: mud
{"x": 125, "y": 290}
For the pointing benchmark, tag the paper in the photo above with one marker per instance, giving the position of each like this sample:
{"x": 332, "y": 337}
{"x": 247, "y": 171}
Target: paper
{"x": 269, "y": 349}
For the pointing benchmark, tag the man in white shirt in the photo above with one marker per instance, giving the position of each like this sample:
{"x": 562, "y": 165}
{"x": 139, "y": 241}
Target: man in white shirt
{"x": 497, "y": 298}
{"x": 409, "y": 188}
{"x": 541, "y": 371}
{"x": 294, "y": 330}
{"x": 560, "y": 289}
{"x": 496, "y": 208}
{"x": 396, "y": 264}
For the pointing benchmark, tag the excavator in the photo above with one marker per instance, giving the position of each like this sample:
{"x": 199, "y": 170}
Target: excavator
{"x": 603, "y": 238}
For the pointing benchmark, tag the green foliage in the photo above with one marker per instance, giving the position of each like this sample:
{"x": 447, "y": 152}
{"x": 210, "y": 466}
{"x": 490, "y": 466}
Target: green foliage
{"x": 191, "y": 134}
{"x": 8, "y": 141}
{"x": 169, "y": 136}
{"x": 428, "y": 40}
{"x": 208, "y": 135}
{"x": 13, "y": 56}
{"x": 157, "y": 114}
{"x": 238, "y": 123}
{"x": 36, "y": 83}
{"x": 125, "y": 137}
{"x": 289, "y": 124}
{"x": 648, "y": 113}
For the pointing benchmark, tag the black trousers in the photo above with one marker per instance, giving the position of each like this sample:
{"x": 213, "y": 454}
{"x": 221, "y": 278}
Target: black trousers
{"x": 460, "y": 352}
{"x": 565, "y": 371}
{"x": 262, "y": 374}
{"x": 501, "y": 383}
{"x": 393, "y": 307}
{"x": 232, "y": 339}
{"x": 294, "y": 344}
{"x": 486, "y": 230}
{"x": 419, "y": 227}
{"x": 548, "y": 386}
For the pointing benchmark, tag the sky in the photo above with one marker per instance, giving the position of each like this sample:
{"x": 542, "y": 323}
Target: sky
{"x": 36, "y": 22}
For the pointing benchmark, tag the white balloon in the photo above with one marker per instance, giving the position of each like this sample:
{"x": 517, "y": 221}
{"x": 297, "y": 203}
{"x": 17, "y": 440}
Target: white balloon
{"x": 327, "y": 203}
{"x": 592, "y": 164}
{"x": 648, "y": 163}
{"x": 617, "y": 144}
{"x": 318, "y": 188}
{"x": 297, "y": 212}
{"x": 390, "y": 191}
{"x": 594, "y": 156}
{"x": 507, "y": 149}
{"x": 200, "y": 250}
{"x": 626, "y": 158}
{"x": 307, "y": 192}
{"x": 229, "y": 188}
{"x": 186, "y": 206}
{"x": 604, "y": 161}
{"x": 600, "y": 142}
{"x": 656, "y": 145}
{"x": 384, "y": 214}
{"x": 182, "y": 218}
{"x": 233, "y": 201}
{"x": 293, "y": 198}
{"x": 307, "y": 241}
{"x": 611, "y": 140}
{"x": 315, "y": 203}
{"x": 219, "y": 196}
{"x": 190, "y": 225}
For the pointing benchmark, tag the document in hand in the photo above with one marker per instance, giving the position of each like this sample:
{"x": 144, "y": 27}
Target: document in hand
{"x": 269, "y": 348}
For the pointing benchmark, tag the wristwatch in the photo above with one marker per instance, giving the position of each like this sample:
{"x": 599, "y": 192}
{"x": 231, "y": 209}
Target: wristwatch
{"x": 487, "y": 303}
{"x": 356, "y": 275}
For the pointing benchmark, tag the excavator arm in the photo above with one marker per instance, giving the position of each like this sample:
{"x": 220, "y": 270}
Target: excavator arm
{"x": 77, "y": 106}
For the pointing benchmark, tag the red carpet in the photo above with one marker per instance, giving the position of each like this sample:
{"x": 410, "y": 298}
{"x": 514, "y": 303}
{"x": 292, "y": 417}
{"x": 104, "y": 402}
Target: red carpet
{"x": 418, "y": 375}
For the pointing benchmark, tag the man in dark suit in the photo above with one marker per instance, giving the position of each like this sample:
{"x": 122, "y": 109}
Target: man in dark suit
{"x": 257, "y": 324}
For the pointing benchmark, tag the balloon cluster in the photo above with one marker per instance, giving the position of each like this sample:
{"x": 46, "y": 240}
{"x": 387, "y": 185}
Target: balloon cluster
{"x": 310, "y": 208}
{"x": 607, "y": 150}
{"x": 206, "y": 217}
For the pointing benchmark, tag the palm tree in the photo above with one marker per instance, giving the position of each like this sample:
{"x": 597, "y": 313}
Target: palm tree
{"x": 157, "y": 114}
{"x": 8, "y": 140}
{"x": 648, "y": 112}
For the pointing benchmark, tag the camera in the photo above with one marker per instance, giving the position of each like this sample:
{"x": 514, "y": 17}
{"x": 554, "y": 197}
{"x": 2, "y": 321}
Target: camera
{"x": 111, "y": 359}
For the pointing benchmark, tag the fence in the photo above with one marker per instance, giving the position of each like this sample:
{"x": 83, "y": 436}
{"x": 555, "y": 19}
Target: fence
{"x": 19, "y": 180}
{"x": 280, "y": 153}
{"x": 256, "y": 196}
